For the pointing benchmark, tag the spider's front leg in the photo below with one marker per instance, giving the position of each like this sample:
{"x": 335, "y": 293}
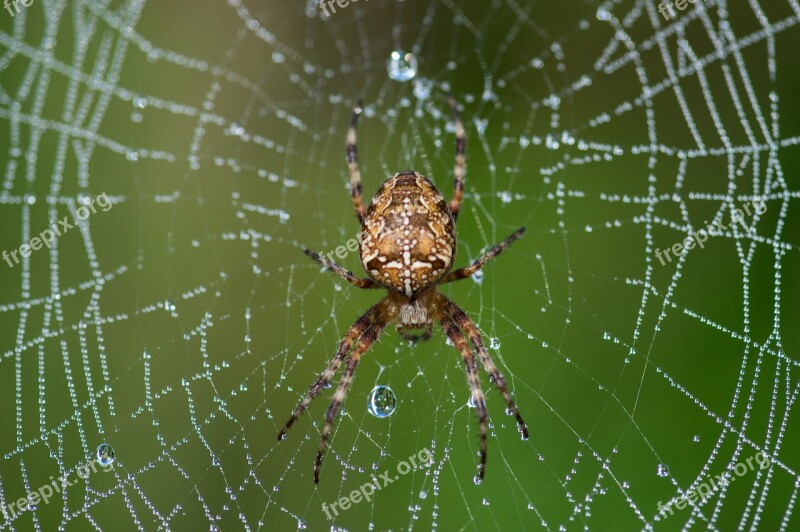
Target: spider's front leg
{"x": 457, "y": 337}
{"x": 357, "y": 329}
{"x": 365, "y": 342}
{"x": 495, "y": 376}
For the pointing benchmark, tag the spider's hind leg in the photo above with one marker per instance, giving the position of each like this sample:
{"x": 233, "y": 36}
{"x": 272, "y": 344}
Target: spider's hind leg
{"x": 351, "y": 151}
{"x": 461, "y": 161}
{"x": 341, "y": 271}
{"x": 468, "y": 271}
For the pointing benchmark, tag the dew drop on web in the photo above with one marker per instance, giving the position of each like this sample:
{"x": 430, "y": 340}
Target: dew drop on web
{"x": 423, "y": 88}
{"x": 402, "y": 66}
{"x": 105, "y": 454}
{"x": 382, "y": 401}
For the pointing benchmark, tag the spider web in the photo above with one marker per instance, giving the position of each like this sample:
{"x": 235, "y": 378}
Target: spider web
{"x": 183, "y": 325}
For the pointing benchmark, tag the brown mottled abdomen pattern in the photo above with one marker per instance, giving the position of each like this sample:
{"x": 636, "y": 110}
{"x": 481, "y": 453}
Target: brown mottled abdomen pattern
{"x": 408, "y": 237}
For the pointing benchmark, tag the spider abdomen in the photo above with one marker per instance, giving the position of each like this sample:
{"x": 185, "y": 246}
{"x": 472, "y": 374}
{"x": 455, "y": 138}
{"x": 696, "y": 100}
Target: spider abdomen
{"x": 408, "y": 237}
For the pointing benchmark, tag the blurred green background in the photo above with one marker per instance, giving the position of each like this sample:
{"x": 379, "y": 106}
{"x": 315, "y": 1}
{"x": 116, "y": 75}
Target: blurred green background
{"x": 184, "y": 324}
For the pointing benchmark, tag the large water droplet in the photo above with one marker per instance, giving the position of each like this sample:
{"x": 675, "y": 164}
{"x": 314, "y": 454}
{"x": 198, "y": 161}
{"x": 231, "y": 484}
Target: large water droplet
{"x": 105, "y": 454}
{"x": 402, "y": 66}
{"x": 382, "y": 401}
{"x": 494, "y": 343}
{"x": 662, "y": 470}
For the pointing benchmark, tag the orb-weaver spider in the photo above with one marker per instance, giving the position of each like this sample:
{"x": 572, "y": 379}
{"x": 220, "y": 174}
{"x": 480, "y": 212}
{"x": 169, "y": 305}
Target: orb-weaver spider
{"x": 408, "y": 246}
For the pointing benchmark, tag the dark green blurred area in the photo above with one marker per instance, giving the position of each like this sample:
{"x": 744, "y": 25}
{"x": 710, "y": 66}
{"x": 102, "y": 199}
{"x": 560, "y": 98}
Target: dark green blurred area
{"x": 617, "y": 363}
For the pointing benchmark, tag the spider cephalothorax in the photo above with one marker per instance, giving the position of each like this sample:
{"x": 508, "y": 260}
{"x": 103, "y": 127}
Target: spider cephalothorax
{"x": 408, "y": 246}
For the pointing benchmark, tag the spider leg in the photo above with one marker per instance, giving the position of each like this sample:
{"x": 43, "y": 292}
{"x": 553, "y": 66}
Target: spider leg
{"x": 468, "y": 271}
{"x": 356, "y": 330}
{"x": 471, "y": 329}
{"x": 457, "y": 337}
{"x": 345, "y": 274}
{"x": 461, "y": 163}
{"x": 367, "y": 339}
{"x": 413, "y": 338}
{"x": 352, "y": 163}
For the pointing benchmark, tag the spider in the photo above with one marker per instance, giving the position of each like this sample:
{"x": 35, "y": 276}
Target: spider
{"x": 407, "y": 245}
